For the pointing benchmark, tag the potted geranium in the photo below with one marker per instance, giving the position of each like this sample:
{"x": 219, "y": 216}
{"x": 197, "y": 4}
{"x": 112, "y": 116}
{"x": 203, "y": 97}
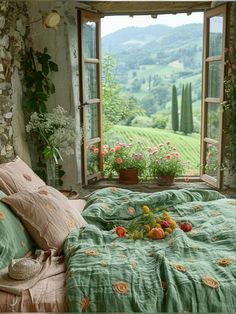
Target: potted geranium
{"x": 125, "y": 160}
{"x": 165, "y": 163}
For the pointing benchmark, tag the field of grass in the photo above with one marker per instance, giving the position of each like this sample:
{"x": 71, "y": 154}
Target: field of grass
{"x": 188, "y": 146}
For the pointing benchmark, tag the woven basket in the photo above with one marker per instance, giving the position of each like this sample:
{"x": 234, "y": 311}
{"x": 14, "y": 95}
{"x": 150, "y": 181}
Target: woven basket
{"x": 24, "y": 268}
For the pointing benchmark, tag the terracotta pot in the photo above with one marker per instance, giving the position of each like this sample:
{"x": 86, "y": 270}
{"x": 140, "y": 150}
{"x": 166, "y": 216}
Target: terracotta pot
{"x": 165, "y": 180}
{"x": 128, "y": 176}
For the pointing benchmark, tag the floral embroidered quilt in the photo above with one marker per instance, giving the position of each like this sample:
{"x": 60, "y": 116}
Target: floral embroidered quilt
{"x": 191, "y": 271}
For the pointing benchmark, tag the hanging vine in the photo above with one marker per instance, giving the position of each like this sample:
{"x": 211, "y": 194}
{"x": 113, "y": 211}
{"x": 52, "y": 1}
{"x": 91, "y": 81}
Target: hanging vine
{"x": 38, "y": 85}
{"x": 230, "y": 109}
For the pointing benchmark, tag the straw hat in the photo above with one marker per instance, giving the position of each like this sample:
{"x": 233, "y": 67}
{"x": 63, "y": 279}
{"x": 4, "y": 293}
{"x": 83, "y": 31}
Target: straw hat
{"x": 24, "y": 268}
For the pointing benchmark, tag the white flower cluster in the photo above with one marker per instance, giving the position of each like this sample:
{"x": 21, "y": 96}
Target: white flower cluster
{"x": 54, "y": 129}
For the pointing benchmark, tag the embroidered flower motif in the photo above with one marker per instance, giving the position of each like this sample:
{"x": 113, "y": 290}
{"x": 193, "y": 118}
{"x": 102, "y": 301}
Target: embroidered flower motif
{"x": 180, "y": 268}
{"x": 84, "y": 303}
{"x": 197, "y": 208}
{"x": 121, "y": 287}
{"x": 224, "y": 261}
{"x": 122, "y": 256}
{"x": 216, "y": 213}
{"x": 91, "y": 252}
{"x": 104, "y": 263}
{"x": 50, "y": 207}
{"x": 27, "y": 177}
{"x": 71, "y": 223}
{"x": 2, "y": 216}
{"x": 133, "y": 264}
{"x": 131, "y": 211}
{"x": 22, "y": 243}
{"x": 104, "y": 205}
{"x": 210, "y": 282}
{"x": 114, "y": 189}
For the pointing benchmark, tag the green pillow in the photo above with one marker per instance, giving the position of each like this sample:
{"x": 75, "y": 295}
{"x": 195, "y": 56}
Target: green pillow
{"x": 15, "y": 241}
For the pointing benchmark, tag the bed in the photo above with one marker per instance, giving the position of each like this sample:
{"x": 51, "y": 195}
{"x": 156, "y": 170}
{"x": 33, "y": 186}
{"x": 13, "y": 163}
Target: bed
{"x": 191, "y": 271}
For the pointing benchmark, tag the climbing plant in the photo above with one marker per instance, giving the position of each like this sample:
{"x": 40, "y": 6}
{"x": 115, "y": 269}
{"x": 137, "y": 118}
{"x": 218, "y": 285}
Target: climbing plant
{"x": 230, "y": 108}
{"x": 38, "y": 85}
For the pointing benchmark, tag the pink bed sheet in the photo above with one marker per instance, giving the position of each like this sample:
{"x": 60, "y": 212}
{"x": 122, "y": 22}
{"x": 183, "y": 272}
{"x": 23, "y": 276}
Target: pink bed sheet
{"x": 48, "y": 295}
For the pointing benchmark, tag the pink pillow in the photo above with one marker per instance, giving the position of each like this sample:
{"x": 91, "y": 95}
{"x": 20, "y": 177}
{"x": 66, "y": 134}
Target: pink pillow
{"x": 16, "y": 176}
{"x": 48, "y": 219}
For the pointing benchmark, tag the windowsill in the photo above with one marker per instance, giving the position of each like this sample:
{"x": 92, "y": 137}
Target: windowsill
{"x": 194, "y": 183}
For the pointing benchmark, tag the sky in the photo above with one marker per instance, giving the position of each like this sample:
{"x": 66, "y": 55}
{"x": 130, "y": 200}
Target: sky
{"x": 110, "y": 24}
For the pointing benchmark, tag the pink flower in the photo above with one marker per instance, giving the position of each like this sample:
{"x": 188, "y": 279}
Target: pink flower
{"x": 161, "y": 145}
{"x": 176, "y": 155}
{"x": 95, "y": 150}
{"x": 112, "y": 150}
{"x": 104, "y": 153}
{"x": 119, "y": 160}
{"x": 168, "y": 156}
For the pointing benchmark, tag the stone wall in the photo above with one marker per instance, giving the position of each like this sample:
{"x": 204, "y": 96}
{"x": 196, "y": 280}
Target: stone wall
{"x": 13, "y": 33}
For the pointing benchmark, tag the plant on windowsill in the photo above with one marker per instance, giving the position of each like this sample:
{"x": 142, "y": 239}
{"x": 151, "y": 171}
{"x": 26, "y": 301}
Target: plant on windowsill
{"x": 128, "y": 161}
{"x": 165, "y": 163}
{"x": 55, "y": 134}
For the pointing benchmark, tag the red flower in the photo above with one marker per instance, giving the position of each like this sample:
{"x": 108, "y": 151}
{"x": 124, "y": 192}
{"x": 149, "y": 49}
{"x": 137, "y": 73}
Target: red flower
{"x": 120, "y": 231}
{"x": 168, "y": 156}
{"x": 119, "y": 160}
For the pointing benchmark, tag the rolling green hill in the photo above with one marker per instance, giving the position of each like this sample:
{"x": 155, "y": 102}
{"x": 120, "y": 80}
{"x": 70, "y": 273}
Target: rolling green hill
{"x": 151, "y": 59}
{"x": 187, "y": 146}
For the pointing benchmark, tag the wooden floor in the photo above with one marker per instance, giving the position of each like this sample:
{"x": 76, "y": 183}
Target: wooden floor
{"x": 143, "y": 187}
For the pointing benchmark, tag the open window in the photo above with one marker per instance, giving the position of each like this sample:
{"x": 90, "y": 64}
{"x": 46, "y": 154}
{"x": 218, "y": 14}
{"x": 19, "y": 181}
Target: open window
{"x": 212, "y": 91}
{"x": 90, "y": 94}
{"x": 213, "y": 95}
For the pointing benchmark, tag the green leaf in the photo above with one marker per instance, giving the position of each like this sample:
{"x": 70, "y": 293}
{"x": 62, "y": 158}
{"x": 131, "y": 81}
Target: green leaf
{"x": 53, "y": 66}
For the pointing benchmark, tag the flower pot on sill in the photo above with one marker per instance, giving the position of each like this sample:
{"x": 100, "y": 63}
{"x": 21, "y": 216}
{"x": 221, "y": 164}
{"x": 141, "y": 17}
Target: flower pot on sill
{"x": 128, "y": 176}
{"x": 165, "y": 180}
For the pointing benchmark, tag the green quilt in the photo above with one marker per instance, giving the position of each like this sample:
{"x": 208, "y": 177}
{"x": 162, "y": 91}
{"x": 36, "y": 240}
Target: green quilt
{"x": 185, "y": 272}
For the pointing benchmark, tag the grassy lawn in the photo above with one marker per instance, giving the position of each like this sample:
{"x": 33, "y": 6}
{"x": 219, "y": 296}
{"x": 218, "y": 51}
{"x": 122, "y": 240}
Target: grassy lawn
{"x": 187, "y": 146}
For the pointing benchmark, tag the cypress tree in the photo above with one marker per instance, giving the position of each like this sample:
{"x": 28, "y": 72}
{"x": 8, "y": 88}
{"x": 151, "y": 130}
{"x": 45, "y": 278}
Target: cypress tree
{"x": 174, "y": 111}
{"x": 191, "y": 129}
{"x": 184, "y": 110}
